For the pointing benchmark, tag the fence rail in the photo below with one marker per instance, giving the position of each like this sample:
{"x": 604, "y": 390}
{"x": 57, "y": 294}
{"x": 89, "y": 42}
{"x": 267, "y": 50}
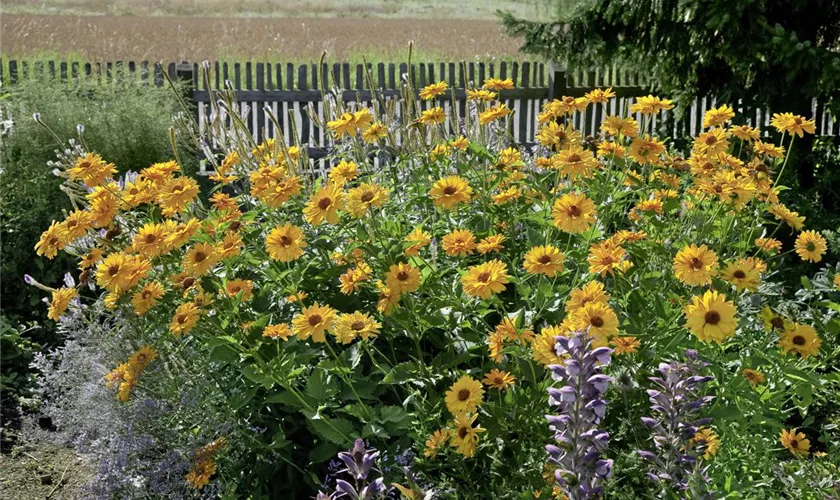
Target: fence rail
{"x": 288, "y": 89}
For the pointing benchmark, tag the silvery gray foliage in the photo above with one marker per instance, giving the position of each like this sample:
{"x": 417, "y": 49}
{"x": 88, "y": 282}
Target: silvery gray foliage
{"x": 138, "y": 448}
{"x": 580, "y": 469}
{"x": 676, "y": 402}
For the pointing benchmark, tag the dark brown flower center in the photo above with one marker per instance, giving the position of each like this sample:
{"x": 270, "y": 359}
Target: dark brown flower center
{"x": 449, "y": 190}
{"x": 574, "y": 158}
{"x": 324, "y": 203}
{"x": 84, "y": 164}
{"x": 484, "y": 277}
{"x": 315, "y": 320}
{"x": 597, "y": 322}
{"x": 799, "y": 340}
{"x": 777, "y": 323}
{"x": 462, "y": 432}
{"x": 402, "y": 276}
{"x": 712, "y": 318}
{"x": 498, "y": 381}
{"x": 711, "y": 140}
{"x": 739, "y": 274}
{"x": 463, "y": 394}
{"x": 545, "y": 259}
{"x": 188, "y": 282}
{"x": 574, "y": 211}
{"x": 200, "y": 256}
{"x": 696, "y": 264}
{"x": 285, "y": 241}
{"x": 367, "y": 197}
{"x": 357, "y": 325}
{"x": 114, "y": 270}
{"x": 150, "y": 238}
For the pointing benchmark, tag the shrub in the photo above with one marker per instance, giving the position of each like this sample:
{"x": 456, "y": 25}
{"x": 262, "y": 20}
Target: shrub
{"x": 414, "y": 298}
{"x": 125, "y": 122}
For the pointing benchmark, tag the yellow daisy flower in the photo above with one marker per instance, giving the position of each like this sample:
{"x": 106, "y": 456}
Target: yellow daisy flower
{"x": 711, "y": 317}
{"x": 485, "y": 279}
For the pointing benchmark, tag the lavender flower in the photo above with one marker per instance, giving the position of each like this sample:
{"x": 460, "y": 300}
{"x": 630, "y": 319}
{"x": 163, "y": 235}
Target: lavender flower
{"x": 675, "y": 402}
{"x": 358, "y": 464}
{"x": 581, "y": 470}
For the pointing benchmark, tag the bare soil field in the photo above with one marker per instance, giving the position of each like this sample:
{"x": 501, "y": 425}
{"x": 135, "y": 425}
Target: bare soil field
{"x": 105, "y": 37}
{"x": 440, "y": 9}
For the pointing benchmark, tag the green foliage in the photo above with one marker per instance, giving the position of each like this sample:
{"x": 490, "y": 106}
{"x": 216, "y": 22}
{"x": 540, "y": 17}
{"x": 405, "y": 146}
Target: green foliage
{"x": 128, "y": 123}
{"x": 765, "y": 52}
{"x": 16, "y": 352}
{"x": 300, "y": 380}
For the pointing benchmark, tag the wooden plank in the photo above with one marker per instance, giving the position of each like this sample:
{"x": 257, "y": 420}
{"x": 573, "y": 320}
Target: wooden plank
{"x": 225, "y": 75}
{"x": 316, "y": 131}
{"x": 140, "y": 74}
{"x": 472, "y": 75}
{"x": 525, "y": 104}
{"x": 13, "y": 71}
{"x": 62, "y": 71}
{"x": 380, "y": 75}
{"x": 392, "y": 82}
{"x": 307, "y": 95}
{"x": 278, "y": 71}
{"x": 403, "y": 71}
{"x": 51, "y": 66}
{"x": 345, "y": 76}
{"x": 290, "y": 76}
{"x": 304, "y": 118}
{"x": 423, "y": 81}
{"x": 480, "y": 81}
{"x": 260, "y": 76}
{"x": 451, "y": 74}
{"x": 217, "y": 77}
{"x": 503, "y": 70}
{"x": 157, "y": 78}
{"x": 74, "y": 71}
{"x": 360, "y": 78}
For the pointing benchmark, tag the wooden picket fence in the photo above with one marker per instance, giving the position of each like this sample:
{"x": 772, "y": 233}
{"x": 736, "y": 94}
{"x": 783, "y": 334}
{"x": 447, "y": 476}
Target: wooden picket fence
{"x": 287, "y": 90}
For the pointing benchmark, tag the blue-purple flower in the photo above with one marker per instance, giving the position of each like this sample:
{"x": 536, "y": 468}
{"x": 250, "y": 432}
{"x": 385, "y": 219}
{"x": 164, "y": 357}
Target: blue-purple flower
{"x": 580, "y": 443}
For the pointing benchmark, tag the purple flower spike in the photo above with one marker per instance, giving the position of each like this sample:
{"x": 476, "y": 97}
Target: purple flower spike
{"x": 358, "y": 464}
{"x": 580, "y": 469}
{"x": 675, "y": 401}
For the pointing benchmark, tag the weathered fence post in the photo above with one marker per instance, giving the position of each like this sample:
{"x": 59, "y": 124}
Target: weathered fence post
{"x": 556, "y": 80}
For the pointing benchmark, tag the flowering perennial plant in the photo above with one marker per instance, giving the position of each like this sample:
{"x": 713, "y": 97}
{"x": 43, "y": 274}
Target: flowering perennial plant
{"x": 425, "y": 291}
{"x": 680, "y": 438}
{"x": 581, "y": 469}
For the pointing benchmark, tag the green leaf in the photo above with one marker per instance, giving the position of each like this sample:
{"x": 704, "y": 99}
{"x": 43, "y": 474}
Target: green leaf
{"x": 285, "y": 398}
{"x": 319, "y": 387}
{"x": 374, "y": 429}
{"x": 222, "y": 340}
{"x": 360, "y": 411}
{"x": 323, "y": 452}
{"x": 225, "y": 354}
{"x": 395, "y": 418}
{"x": 399, "y": 374}
{"x": 335, "y": 430}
